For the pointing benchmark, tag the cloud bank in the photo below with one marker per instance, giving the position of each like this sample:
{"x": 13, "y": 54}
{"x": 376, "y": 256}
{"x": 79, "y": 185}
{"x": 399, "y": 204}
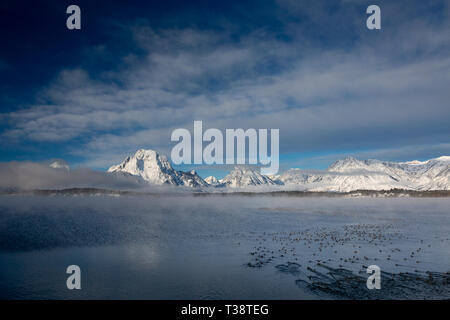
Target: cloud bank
{"x": 32, "y": 176}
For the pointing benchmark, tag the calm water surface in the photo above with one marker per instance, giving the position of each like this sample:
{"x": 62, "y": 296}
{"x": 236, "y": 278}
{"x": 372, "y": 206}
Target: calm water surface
{"x": 185, "y": 247}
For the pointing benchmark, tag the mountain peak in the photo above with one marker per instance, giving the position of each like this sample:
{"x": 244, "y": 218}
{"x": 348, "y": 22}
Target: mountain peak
{"x": 244, "y": 176}
{"x": 156, "y": 169}
{"x": 211, "y": 180}
{"x": 146, "y": 154}
{"x": 59, "y": 164}
{"x": 347, "y": 164}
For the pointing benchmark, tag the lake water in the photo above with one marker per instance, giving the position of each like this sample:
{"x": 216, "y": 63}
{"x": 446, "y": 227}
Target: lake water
{"x": 223, "y": 247}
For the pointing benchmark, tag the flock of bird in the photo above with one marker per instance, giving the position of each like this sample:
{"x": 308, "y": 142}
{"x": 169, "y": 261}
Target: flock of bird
{"x": 342, "y": 253}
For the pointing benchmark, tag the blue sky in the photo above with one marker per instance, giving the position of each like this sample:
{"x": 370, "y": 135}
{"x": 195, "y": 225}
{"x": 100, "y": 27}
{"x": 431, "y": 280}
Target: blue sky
{"x": 137, "y": 70}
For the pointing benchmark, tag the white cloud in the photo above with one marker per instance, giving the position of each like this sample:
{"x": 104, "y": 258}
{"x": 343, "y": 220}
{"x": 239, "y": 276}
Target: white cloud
{"x": 393, "y": 85}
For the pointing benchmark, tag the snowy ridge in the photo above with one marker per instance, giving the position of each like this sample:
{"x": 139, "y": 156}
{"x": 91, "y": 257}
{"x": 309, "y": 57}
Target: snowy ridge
{"x": 351, "y": 174}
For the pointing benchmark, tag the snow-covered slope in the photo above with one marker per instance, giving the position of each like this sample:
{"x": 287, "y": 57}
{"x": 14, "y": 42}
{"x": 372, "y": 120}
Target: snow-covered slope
{"x": 156, "y": 169}
{"x": 241, "y": 177}
{"x": 432, "y": 174}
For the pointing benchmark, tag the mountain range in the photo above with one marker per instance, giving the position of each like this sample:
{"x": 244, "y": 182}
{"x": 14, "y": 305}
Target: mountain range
{"x": 344, "y": 175}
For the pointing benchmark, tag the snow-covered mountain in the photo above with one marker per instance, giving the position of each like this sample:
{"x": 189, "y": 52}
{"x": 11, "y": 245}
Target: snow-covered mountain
{"x": 241, "y": 177}
{"x": 350, "y": 174}
{"x": 156, "y": 169}
{"x": 344, "y": 175}
{"x": 212, "y": 181}
{"x": 192, "y": 179}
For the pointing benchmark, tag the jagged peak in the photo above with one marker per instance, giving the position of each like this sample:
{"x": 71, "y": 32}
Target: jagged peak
{"x": 345, "y": 163}
{"x": 156, "y": 169}
{"x": 212, "y": 180}
{"x": 243, "y": 176}
{"x": 146, "y": 154}
{"x": 245, "y": 170}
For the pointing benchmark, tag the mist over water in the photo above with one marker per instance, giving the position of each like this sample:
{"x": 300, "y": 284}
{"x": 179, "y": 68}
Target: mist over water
{"x": 221, "y": 247}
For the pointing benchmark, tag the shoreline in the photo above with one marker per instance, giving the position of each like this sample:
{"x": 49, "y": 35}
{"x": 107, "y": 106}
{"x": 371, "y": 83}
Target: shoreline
{"x": 393, "y": 193}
